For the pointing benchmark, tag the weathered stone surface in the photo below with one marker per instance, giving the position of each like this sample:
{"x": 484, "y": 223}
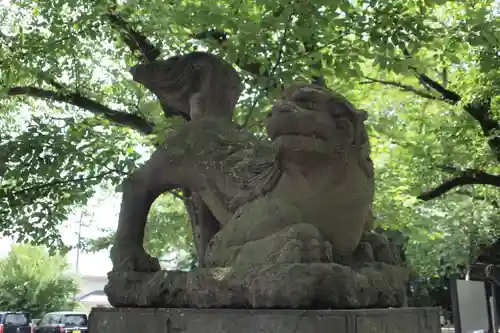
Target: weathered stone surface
{"x": 136, "y": 320}
{"x": 295, "y": 211}
{"x": 192, "y": 83}
{"x": 303, "y": 286}
{"x": 315, "y": 171}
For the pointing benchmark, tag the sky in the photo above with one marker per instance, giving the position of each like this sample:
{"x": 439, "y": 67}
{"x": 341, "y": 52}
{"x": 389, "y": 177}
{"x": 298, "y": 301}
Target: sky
{"x": 102, "y": 213}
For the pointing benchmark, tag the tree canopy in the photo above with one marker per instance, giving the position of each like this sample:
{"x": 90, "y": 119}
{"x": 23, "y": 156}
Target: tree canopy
{"x": 34, "y": 281}
{"x": 428, "y": 73}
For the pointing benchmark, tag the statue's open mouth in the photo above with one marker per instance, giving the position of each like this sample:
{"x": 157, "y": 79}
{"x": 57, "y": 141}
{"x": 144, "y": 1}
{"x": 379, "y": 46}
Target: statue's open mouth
{"x": 289, "y": 121}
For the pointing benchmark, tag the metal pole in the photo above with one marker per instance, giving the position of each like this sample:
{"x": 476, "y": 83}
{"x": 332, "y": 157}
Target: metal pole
{"x": 494, "y": 307}
{"x": 78, "y": 243}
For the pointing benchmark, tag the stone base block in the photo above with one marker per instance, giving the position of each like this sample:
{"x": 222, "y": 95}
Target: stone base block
{"x": 143, "y": 320}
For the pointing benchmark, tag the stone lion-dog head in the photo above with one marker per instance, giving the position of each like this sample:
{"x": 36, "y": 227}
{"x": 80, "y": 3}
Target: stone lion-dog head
{"x": 311, "y": 122}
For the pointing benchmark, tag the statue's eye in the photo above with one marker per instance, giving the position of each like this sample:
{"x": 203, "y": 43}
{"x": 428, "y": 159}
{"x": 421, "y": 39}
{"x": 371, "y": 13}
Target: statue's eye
{"x": 306, "y": 103}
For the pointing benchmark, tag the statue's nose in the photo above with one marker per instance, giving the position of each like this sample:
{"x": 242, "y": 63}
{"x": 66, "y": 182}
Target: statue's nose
{"x": 281, "y": 108}
{"x": 146, "y": 72}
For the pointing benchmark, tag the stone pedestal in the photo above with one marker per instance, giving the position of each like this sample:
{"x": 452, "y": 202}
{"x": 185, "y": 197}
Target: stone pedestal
{"x": 146, "y": 320}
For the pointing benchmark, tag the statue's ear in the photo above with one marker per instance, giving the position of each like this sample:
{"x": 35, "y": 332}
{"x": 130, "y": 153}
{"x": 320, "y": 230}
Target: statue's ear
{"x": 363, "y": 115}
{"x": 360, "y": 134}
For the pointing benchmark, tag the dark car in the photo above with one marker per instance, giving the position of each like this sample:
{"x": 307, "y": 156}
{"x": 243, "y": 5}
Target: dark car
{"x": 15, "y": 322}
{"x": 63, "y": 322}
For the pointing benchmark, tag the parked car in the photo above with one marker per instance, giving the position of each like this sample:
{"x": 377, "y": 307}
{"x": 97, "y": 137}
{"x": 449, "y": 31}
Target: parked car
{"x": 63, "y": 322}
{"x": 15, "y": 322}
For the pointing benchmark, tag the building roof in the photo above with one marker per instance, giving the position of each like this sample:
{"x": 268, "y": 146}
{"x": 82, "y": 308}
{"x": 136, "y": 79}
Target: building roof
{"x": 95, "y": 278}
{"x": 92, "y": 293}
{"x": 67, "y": 313}
{"x": 95, "y": 297}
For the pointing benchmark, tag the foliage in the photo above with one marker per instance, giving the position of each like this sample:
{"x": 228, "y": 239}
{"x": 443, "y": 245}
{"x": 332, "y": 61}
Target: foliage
{"x": 167, "y": 231}
{"x": 52, "y": 167}
{"x": 34, "y": 281}
{"x": 427, "y": 71}
{"x": 409, "y": 155}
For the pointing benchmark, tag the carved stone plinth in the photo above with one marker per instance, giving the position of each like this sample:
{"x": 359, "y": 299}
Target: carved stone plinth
{"x": 290, "y": 286}
{"x": 137, "y": 320}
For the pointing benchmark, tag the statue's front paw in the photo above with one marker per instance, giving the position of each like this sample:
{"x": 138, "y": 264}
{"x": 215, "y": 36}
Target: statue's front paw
{"x": 133, "y": 259}
{"x": 299, "y": 243}
{"x": 383, "y": 250}
{"x": 302, "y": 243}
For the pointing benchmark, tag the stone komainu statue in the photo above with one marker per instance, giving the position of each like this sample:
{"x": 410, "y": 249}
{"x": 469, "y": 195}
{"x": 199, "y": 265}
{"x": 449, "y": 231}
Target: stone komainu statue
{"x": 295, "y": 211}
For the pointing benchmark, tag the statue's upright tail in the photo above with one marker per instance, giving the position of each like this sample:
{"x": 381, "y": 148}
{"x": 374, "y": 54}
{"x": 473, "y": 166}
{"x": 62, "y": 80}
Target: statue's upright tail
{"x": 176, "y": 80}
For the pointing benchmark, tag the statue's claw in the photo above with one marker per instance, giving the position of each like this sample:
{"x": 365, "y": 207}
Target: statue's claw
{"x": 133, "y": 259}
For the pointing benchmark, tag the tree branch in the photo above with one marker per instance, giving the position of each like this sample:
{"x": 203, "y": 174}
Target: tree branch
{"x": 58, "y": 182}
{"x": 76, "y": 99}
{"x": 466, "y": 177}
{"x": 493, "y": 203}
{"x": 447, "y": 95}
{"x": 401, "y": 86}
{"x": 122, "y": 118}
{"x": 480, "y": 110}
{"x": 135, "y": 40}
